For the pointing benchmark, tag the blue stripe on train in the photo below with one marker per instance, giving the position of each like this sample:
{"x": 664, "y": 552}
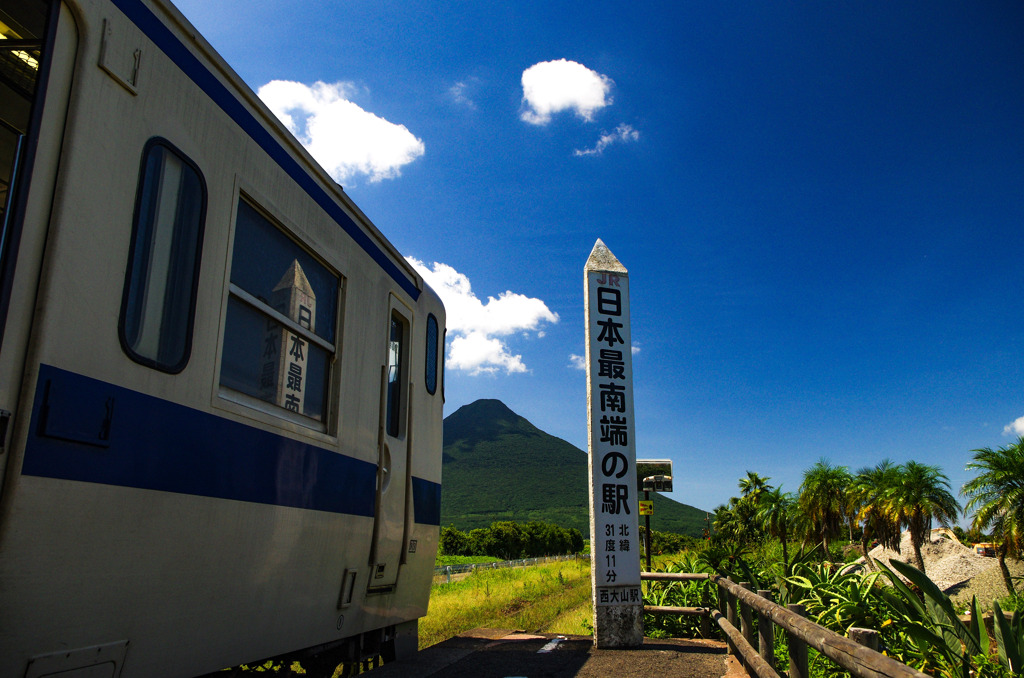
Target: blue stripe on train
{"x": 88, "y": 430}
{"x": 166, "y": 41}
{"x": 426, "y": 501}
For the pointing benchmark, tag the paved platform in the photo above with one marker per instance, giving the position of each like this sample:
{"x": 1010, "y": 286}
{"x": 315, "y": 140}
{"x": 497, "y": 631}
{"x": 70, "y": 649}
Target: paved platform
{"x": 499, "y": 653}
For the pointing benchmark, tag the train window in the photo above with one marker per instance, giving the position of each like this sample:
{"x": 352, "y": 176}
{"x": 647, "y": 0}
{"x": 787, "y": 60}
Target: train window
{"x": 396, "y": 364}
{"x": 158, "y": 304}
{"x": 279, "y": 342}
{"x": 431, "y": 358}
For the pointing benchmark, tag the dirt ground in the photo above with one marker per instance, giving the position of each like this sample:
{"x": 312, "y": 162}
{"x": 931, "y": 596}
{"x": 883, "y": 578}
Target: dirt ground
{"x": 497, "y": 653}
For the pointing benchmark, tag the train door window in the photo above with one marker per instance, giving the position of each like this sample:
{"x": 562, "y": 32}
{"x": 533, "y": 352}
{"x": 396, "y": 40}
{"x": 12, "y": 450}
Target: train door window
{"x": 431, "y": 358}
{"x": 158, "y": 304}
{"x": 396, "y": 370}
{"x": 279, "y": 337}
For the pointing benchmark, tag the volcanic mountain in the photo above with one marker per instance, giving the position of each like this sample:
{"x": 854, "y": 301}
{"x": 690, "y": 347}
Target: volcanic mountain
{"x": 499, "y": 466}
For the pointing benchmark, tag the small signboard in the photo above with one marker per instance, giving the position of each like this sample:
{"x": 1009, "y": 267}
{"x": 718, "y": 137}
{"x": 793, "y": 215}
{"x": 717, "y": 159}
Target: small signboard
{"x": 657, "y": 484}
{"x": 646, "y": 508}
{"x": 648, "y": 468}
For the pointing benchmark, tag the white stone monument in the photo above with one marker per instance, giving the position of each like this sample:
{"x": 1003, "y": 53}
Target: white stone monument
{"x": 614, "y": 536}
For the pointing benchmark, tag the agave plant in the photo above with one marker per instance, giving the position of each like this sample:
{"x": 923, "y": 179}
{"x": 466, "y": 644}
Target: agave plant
{"x": 1009, "y": 638}
{"x": 935, "y": 638}
{"x": 834, "y": 598}
{"x": 932, "y": 622}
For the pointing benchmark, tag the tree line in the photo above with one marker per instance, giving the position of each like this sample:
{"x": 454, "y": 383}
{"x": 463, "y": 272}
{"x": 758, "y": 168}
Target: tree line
{"x": 876, "y": 503}
{"x": 509, "y": 540}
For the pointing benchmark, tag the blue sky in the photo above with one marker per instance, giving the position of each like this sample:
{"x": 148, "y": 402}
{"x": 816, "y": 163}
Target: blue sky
{"x": 821, "y": 206}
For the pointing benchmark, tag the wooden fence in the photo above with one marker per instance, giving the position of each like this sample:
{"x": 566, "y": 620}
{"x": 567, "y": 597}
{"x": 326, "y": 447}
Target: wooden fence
{"x": 858, "y": 654}
{"x": 445, "y": 573}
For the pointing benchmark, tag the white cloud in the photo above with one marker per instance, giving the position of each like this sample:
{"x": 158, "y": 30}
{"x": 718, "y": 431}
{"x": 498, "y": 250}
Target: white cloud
{"x": 475, "y": 327}
{"x": 1016, "y": 427}
{"x": 553, "y": 86}
{"x": 347, "y": 140}
{"x": 579, "y": 362}
{"x": 460, "y": 95}
{"x": 477, "y": 353}
{"x": 623, "y": 134}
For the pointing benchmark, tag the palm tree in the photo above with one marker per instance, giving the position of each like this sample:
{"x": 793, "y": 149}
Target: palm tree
{"x": 724, "y": 523}
{"x": 996, "y": 497}
{"x": 921, "y": 496}
{"x": 776, "y": 515}
{"x": 737, "y": 521}
{"x": 823, "y": 499}
{"x": 868, "y": 494}
{"x": 753, "y": 485}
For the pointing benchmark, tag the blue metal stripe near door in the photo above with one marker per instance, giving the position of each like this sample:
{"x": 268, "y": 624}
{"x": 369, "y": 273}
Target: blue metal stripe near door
{"x": 92, "y": 431}
{"x": 426, "y": 502}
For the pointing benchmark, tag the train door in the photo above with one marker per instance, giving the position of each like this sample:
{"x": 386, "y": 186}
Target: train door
{"x": 394, "y": 438}
{"x": 38, "y": 42}
{"x": 23, "y": 32}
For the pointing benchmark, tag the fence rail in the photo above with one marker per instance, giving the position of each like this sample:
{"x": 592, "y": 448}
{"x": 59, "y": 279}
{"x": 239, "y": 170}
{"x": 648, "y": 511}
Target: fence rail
{"x": 758, "y": 655}
{"x": 444, "y": 574}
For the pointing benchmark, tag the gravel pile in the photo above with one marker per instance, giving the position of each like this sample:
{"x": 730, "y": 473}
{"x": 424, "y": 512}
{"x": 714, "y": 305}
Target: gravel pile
{"x": 987, "y": 585}
{"x": 950, "y": 565}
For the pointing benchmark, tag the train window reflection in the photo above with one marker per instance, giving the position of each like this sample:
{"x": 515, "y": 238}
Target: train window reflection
{"x": 281, "y": 319}
{"x": 396, "y": 360}
{"x": 431, "y": 357}
{"x": 158, "y": 305}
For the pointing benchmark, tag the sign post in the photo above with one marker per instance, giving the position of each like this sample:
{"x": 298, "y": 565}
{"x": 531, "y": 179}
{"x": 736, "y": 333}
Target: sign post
{"x": 652, "y": 475}
{"x": 614, "y": 547}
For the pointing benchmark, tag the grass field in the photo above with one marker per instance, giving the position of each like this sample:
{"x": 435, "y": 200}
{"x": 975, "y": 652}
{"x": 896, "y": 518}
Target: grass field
{"x": 553, "y": 598}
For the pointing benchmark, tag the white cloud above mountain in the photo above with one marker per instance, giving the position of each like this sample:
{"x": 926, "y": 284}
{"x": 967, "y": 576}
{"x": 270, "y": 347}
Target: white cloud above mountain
{"x": 551, "y": 87}
{"x": 622, "y": 134}
{"x": 345, "y": 139}
{"x": 476, "y": 329}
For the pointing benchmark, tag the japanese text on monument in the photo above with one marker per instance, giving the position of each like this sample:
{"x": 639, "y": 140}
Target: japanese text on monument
{"x": 616, "y": 558}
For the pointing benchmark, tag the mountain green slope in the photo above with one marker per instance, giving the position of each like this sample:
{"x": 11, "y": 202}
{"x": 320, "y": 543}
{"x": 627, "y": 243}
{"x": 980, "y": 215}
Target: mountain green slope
{"x": 499, "y": 466}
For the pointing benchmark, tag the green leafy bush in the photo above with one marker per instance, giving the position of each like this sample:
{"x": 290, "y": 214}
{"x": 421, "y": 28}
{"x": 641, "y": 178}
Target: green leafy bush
{"x": 509, "y": 540}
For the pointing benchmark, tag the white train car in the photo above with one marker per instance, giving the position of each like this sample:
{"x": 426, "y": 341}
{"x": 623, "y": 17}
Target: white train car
{"x": 220, "y": 386}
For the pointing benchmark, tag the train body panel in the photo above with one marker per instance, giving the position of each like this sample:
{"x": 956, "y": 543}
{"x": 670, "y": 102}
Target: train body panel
{"x": 224, "y": 383}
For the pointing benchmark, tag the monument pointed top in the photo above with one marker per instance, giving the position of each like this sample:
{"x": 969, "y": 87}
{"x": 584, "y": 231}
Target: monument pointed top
{"x": 602, "y": 259}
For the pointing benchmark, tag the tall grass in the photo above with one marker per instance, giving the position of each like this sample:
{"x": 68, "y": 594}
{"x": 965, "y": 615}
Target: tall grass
{"x": 554, "y": 597}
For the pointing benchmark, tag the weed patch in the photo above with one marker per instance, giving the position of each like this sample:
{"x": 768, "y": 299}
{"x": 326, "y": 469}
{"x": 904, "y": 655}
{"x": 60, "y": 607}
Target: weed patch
{"x": 530, "y": 599}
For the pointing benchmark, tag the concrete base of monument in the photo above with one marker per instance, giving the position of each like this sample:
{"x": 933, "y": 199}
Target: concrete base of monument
{"x": 619, "y": 626}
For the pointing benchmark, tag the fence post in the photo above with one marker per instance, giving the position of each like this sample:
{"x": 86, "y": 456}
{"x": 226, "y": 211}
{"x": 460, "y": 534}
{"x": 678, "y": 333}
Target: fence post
{"x": 746, "y": 618}
{"x": 797, "y": 648}
{"x": 730, "y": 616}
{"x": 449, "y": 571}
{"x": 866, "y": 637}
{"x": 766, "y": 632}
{"x": 705, "y": 619}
